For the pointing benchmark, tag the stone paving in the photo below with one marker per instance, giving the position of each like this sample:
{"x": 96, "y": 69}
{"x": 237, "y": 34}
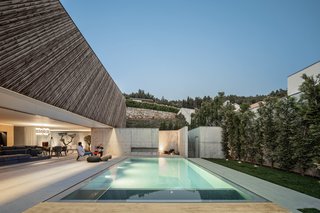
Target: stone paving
{"x": 25, "y": 185}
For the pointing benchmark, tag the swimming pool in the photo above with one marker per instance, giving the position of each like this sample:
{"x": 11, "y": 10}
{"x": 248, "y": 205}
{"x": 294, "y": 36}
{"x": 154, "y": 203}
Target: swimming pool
{"x": 160, "y": 180}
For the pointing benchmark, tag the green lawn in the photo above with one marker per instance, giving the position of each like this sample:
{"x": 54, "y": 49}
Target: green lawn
{"x": 304, "y": 184}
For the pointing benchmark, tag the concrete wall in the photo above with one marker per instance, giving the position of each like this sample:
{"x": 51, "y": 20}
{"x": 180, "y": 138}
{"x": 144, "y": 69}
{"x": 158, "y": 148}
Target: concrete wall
{"x": 174, "y": 139}
{"x": 205, "y": 142}
{"x": 168, "y": 139}
{"x": 10, "y": 133}
{"x": 25, "y": 136}
{"x": 140, "y": 141}
{"x": 127, "y": 141}
{"x": 183, "y": 141}
{"x": 295, "y": 80}
{"x": 193, "y": 142}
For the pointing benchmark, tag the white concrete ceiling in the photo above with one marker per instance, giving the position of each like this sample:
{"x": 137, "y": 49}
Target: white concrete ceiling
{"x": 26, "y": 111}
{"x": 14, "y": 118}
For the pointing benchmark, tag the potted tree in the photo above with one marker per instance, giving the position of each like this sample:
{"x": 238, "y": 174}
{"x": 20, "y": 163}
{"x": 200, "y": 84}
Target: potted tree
{"x": 87, "y": 139}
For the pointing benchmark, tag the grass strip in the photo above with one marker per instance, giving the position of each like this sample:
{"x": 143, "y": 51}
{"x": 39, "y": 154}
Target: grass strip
{"x": 305, "y": 184}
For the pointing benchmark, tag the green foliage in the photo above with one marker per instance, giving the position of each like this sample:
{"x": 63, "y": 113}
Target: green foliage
{"x": 256, "y": 151}
{"x": 308, "y": 138}
{"x": 210, "y": 113}
{"x": 153, "y": 106}
{"x": 287, "y": 125}
{"x": 268, "y": 128}
{"x": 227, "y": 129}
{"x": 311, "y": 109}
{"x": 140, "y": 94}
{"x": 177, "y": 123}
{"x": 281, "y": 93}
{"x": 163, "y": 126}
{"x": 195, "y": 103}
{"x": 307, "y": 185}
{"x": 246, "y": 129}
{"x": 284, "y": 132}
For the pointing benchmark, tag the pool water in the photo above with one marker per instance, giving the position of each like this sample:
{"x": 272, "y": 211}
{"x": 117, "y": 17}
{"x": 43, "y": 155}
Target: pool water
{"x": 159, "y": 180}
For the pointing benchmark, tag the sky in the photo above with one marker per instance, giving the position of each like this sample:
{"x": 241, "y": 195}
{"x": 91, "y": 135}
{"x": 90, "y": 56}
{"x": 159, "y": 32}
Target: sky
{"x": 181, "y": 48}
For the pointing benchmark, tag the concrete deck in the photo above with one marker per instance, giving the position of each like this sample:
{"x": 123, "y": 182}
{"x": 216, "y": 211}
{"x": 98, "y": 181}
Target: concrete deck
{"x": 25, "y": 185}
{"x": 282, "y": 196}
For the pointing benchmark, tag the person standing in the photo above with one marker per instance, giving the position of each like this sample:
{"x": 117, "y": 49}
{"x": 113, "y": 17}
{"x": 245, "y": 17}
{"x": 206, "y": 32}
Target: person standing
{"x": 51, "y": 142}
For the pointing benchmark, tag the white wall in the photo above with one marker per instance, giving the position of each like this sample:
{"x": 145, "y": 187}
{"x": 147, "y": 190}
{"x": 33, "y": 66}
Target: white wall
{"x": 120, "y": 141}
{"x": 56, "y": 139}
{"x": 168, "y": 139}
{"x": 140, "y": 141}
{"x": 174, "y": 139}
{"x": 27, "y": 136}
{"x": 206, "y": 142}
{"x": 295, "y": 80}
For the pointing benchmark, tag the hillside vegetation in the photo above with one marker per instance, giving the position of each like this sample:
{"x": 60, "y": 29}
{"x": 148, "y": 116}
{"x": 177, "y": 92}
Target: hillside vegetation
{"x": 153, "y": 106}
{"x": 195, "y": 103}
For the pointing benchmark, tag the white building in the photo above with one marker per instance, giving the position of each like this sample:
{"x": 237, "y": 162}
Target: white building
{"x": 295, "y": 79}
{"x": 254, "y": 107}
{"x": 235, "y": 105}
{"x": 187, "y": 113}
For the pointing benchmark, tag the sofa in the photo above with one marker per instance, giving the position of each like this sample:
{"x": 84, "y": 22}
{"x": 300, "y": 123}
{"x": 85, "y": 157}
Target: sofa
{"x": 20, "y": 154}
{"x": 13, "y": 150}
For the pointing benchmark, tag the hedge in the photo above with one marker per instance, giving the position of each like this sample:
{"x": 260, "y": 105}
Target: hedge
{"x": 131, "y": 103}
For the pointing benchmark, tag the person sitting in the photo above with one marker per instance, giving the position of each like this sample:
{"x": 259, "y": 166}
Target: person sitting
{"x": 81, "y": 151}
{"x": 99, "y": 150}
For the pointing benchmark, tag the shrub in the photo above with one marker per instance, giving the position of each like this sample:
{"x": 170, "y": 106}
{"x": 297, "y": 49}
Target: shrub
{"x": 158, "y": 107}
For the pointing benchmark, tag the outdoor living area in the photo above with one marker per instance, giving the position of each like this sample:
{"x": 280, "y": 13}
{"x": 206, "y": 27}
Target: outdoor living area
{"x": 26, "y": 137}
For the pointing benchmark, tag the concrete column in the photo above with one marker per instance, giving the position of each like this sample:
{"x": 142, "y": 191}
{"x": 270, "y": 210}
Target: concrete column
{"x": 183, "y": 141}
{"x": 100, "y": 136}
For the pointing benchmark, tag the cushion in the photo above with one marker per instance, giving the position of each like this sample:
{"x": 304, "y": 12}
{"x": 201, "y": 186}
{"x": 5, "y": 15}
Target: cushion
{"x": 106, "y": 157}
{"x": 93, "y": 159}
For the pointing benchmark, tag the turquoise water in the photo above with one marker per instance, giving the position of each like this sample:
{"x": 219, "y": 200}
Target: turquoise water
{"x": 156, "y": 179}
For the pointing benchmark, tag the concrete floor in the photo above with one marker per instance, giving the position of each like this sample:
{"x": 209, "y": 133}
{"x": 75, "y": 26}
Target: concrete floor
{"x": 25, "y": 185}
{"x": 282, "y": 196}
